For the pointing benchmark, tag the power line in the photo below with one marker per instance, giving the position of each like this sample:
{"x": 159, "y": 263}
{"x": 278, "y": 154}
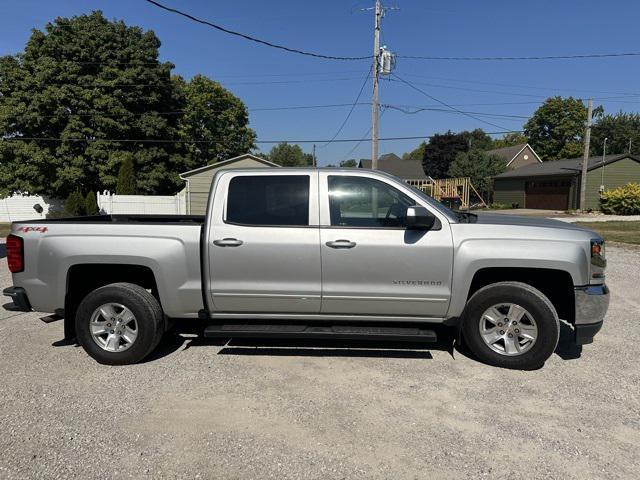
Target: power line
{"x": 532, "y": 87}
{"x": 466, "y": 89}
{"x": 416, "y": 110}
{"x": 364, "y": 137}
{"x": 272, "y": 82}
{"x": 304, "y": 107}
{"x": 539, "y": 57}
{"x": 446, "y": 104}
{"x": 353, "y": 106}
{"x": 251, "y": 38}
{"x": 404, "y": 108}
{"x": 181, "y": 112}
{"x": 177, "y": 141}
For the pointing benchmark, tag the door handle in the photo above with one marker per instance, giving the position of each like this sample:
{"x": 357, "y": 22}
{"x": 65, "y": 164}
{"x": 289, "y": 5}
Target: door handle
{"x": 341, "y": 244}
{"x": 228, "y": 242}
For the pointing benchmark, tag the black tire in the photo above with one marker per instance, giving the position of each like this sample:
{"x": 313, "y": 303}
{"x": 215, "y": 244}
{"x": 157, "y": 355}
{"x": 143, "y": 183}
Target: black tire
{"x": 535, "y": 302}
{"x": 148, "y": 315}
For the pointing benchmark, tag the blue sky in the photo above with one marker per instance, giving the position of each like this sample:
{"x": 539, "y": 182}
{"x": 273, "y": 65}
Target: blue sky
{"x": 264, "y": 77}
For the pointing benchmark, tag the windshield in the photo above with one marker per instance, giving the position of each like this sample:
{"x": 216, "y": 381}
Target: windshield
{"x": 450, "y": 214}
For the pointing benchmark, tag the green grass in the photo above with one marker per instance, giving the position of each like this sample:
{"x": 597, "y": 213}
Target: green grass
{"x": 625, "y": 232}
{"x": 5, "y": 228}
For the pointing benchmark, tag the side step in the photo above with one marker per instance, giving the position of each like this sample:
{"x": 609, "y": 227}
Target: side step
{"x": 335, "y": 332}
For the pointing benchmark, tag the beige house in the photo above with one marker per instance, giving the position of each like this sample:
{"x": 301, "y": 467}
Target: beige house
{"x": 516, "y": 156}
{"x": 199, "y": 180}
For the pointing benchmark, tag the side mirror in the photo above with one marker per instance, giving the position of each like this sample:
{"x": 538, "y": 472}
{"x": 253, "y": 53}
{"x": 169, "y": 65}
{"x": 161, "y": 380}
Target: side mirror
{"x": 420, "y": 217}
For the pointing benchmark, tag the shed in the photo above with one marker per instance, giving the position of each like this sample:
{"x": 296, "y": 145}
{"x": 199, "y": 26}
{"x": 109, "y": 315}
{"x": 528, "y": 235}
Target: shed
{"x": 199, "y": 179}
{"x": 555, "y": 185}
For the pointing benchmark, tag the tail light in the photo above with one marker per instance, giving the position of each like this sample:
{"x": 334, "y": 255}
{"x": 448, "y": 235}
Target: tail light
{"x": 15, "y": 254}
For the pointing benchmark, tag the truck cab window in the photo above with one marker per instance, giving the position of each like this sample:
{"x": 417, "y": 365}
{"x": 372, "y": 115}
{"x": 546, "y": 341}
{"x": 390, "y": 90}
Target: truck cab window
{"x": 366, "y": 202}
{"x": 268, "y": 200}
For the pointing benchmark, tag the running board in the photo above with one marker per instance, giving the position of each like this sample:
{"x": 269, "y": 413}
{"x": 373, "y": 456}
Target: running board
{"x": 335, "y": 332}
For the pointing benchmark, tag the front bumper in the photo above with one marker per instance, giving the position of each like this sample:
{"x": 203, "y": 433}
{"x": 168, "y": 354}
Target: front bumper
{"x": 591, "y": 303}
{"x": 20, "y": 301}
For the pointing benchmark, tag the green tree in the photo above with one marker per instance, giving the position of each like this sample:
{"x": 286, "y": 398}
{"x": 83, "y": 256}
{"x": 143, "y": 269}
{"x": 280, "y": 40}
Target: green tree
{"x": 90, "y": 204}
{"x": 510, "y": 140}
{"x": 86, "y": 79}
{"x": 478, "y": 165}
{"x": 556, "y": 128}
{"x": 214, "y": 115}
{"x": 74, "y": 205}
{"x": 289, "y": 156}
{"x": 126, "y": 177}
{"x": 619, "y": 129}
{"x": 351, "y": 163}
{"x": 415, "y": 154}
{"x": 477, "y": 139}
{"x": 440, "y": 152}
{"x": 443, "y": 148}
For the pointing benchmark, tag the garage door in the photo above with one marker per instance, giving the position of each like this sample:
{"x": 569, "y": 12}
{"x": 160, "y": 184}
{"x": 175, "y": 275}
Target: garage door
{"x": 548, "y": 194}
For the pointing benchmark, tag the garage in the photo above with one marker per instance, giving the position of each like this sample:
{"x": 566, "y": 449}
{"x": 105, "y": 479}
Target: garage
{"x": 547, "y": 194}
{"x": 555, "y": 185}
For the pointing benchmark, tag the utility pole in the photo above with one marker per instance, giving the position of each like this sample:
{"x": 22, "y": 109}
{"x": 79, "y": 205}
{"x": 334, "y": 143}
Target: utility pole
{"x": 585, "y": 157}
{"x": 604, "y": 155}
{"x": 374, "y": 100}
{"x": 314, "y": 161}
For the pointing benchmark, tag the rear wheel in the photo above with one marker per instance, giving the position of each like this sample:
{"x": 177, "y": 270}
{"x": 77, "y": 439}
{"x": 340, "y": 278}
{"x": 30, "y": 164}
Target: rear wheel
{"x": 511, "y": 325}
{"x": 119, "y": 324}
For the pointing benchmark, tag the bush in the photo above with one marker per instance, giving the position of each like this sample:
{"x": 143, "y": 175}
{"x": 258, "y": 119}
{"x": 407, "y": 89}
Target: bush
{"x": 498, "y": 206}
{"x": 126, "y": 178}
{"x": 91, "y": 205}
{"x": 57, "y": 212}
{"x": 623, "y": 200}
{"x": 74, "y": 205}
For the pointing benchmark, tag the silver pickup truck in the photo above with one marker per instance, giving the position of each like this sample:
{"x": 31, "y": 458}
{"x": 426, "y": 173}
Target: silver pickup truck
{"x": 313, "y": 253}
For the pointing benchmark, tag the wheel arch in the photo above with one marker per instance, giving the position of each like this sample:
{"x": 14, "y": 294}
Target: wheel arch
{"x": 83, "y": 278}
{"x": 555, "y": 284}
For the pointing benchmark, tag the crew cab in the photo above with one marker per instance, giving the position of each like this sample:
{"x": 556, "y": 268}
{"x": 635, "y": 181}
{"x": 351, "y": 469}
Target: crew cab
{"x": 313, "y": 253}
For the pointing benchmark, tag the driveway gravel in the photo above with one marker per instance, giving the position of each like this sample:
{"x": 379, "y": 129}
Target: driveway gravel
{"x": 201, "y": 409}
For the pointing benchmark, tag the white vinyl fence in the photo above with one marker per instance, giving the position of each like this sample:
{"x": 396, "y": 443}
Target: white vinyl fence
{"x": 142, "y": 204}
{"x": 20, "y": 207}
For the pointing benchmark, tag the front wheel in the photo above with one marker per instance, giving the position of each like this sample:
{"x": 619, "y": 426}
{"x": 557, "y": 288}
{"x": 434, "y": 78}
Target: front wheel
{"x": 511, "y": 325}
{"x": 119, "y": 324}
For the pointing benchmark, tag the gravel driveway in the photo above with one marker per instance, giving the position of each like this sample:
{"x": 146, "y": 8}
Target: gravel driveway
{"x": 322, "y": 410}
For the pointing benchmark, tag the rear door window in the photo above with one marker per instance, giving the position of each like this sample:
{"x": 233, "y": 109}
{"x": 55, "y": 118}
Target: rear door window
{"x": 268, "y": 200}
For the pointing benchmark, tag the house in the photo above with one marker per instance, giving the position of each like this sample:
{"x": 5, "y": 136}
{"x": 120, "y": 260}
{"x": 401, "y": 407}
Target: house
{"x": 516, "y": 156}
{"x": 393, "y": 164}
{"x": 555, "y": 185}
{"x": 199, "y": 179}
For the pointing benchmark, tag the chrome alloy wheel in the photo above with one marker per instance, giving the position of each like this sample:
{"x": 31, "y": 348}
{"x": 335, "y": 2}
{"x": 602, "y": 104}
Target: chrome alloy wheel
{"x": 508, "y": 329}
{"x": 113, "y": 327}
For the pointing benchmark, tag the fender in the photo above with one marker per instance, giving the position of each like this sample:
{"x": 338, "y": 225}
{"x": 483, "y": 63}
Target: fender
{"x": 475, "y": 254}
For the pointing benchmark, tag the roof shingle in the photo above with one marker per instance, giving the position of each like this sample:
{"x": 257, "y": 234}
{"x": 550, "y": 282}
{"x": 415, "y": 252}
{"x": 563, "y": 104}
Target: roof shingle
{"x": 393, "y": 164}
{"x": 564, "y": 167}
{"x": 507, "y": 153}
